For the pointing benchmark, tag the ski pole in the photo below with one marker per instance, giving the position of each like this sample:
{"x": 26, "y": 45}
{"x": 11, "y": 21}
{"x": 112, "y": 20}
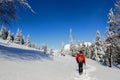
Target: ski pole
{"x": 85, "y": 69}
{"x": 85, "y": 72}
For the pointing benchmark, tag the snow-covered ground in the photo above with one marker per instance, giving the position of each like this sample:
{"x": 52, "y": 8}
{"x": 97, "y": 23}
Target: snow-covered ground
{"x": 9, "y": 44}
{"x": 60, "y": 68}
{"x": 23, "y": 64}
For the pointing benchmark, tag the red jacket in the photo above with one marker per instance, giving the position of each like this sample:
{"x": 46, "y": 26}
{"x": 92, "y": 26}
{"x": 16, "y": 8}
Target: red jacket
{"x": 81, "y": 56}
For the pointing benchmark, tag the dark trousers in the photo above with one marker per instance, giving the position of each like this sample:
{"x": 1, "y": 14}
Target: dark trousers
{"x": 80, "y": 65}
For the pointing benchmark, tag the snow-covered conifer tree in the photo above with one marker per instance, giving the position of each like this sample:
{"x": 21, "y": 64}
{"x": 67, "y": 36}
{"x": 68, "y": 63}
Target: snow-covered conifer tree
{"x": 113, "y": 35}
{"x": 33, "y": 46}
{"x": 87, "y": 53}
{"x": 99, "y": 46}
{"x": 28, "y": 43}
{"x": 62, "y": 49}
{"x": 8, "y": 9}
{"x": 71, "y": 42}
{"x": 79, "y": 45}
{"x": 72, "y": 45}
{"x": 19, "y": 37}
{"x": 3, "y": 32}
{"x": 51, "y": 51}
{"x": 12, "y": 37}
{"x": 92, "y": 51}
{"x": 117, "y": 41}
{"x": 83, "y": 48}
{"x": 44, "y": 48}
{"x": 9, "y": 38}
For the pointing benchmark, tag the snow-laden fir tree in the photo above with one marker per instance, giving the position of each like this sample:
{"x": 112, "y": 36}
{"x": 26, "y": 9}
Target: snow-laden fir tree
{"x": 74, "y": 49}
{"x": 12, "y": 37}
{"x": 71, "y": 42}
{"x": 8, "y": 9}
{"x": 79, "y": 45}
{"x": 110, "y": 37}
{"x": 99, "y": 47}
{"x": 83, "y": 47}
{"x": 87, "y": 51}
{"x": 19, "y": 37}
{"x": 33, "y": 45}
{"x": 28, "y": 43}
{"x": 90, "y": 48}
{"x": 44, "y": 48}
{"x": 113, "y": 36}
{"x": 3, "y": 32}
{"x": 9, "y": 38}
{"x": 72, "y": 45}
{"x": 51, "y": 52}
{"x": 62, "y": 49}
{"x": 92, "y": 51}
{"x": 117, "y": 17}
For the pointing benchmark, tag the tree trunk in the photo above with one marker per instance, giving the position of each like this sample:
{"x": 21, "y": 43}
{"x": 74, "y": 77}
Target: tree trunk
{"x": 110, "y": 61}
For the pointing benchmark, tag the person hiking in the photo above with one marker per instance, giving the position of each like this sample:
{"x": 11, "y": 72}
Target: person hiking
{"x": 80, "y": 58}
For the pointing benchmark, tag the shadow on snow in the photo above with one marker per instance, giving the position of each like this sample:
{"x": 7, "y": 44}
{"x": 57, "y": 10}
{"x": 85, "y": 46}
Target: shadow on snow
{"x": 17, "y": 53}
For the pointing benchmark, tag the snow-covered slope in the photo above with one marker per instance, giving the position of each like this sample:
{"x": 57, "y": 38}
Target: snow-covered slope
{"x": 7, "y": 44}
{"x": 14, "y": 51}
{"x": 104, "y": 72}
{"x": 60, "y": 68}
{"x": 22, "y": 64}
{"x": 37, "y": 70}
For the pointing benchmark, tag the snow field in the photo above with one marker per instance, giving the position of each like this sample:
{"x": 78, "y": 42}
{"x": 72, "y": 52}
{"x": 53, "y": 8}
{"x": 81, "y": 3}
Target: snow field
{"x": 22, "y": 64}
